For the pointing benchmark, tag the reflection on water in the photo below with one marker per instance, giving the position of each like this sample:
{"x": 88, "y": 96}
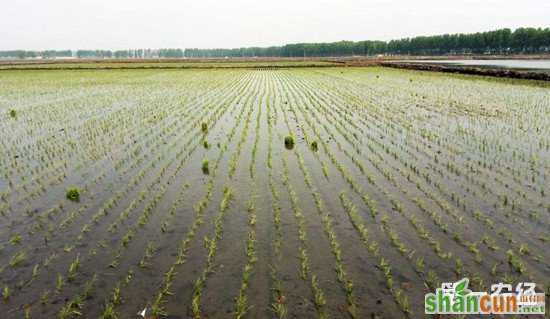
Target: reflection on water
{"x": 512, "y": 64}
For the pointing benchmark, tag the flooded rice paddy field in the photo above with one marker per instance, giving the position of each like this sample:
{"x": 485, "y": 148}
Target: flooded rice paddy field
{"x": 397, "y": 181}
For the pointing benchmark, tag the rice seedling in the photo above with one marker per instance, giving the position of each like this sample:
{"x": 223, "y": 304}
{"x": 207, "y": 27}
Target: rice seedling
{"x": 18, "y": 258}
{"x": 89, "y": 286}
{"x": 516, "y": 262}
{"x": 204, "y": 166}
{"x": 6, "y": 293}
{"x": 73, "y": 308}
{"x": 432, "y": 280}
{"x": 44, "y": 297}
{"x": 420, "y": 264}
{"x": 278, "y": 307}
{"x": 59, "y": 283}
{"x": 15, "y": 239}
{"x": 109, "y": 312}
{"x": 73, "y": 269}
{"x": 319, "y": 298}
{"x": 73, "y": 194}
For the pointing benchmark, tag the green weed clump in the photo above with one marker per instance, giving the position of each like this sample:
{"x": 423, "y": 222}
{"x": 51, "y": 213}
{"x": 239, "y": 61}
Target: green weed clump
{"x": 205, "y": 168}
{"x": 289, "y": 142}
{"x": 73, "y": 194}
{"x": 204, "y": 127}
{"x": 314, "y": 146}
{"x": 205, "y": 144}
{"x": 13, "y": 113}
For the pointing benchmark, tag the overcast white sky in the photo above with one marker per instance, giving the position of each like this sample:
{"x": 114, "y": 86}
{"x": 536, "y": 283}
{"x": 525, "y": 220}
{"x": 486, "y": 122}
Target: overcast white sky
{"x": 122, "y": 24}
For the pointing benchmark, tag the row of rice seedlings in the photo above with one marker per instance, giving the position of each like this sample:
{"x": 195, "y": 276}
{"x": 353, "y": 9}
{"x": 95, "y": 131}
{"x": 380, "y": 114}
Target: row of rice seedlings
{"x": 252, "y": 167}
{"x": 472, "y": 181}
{"x": 66, "y": 221}
{"x": 392, "y": 234}
{"x": 335, "y": 246}
{"x": 474, "y": 251}
{"x": 422, "y": 233}
{"x": 241, "y": 302}
{"x": 81, "y": 237}
{"x": 142, "y": 220}
{"x": 473, "y": 135}
{"x": 420, "y": 230}
{"x": 98, "y": 177}
{"x": 73, "y": 307}
{"x": 305, "y": 272}
{"x": 128, "y": 237}
{"x": 148, "y": 136}
{"x": 467, "y": 136}
{"x": 343, "y": 170}
{"x": 115, "y": 298}
{"x": 157, "y": 305}
{"x": 327, "y": 221}
{"x": 37, "y": 185}
{"x": 243, "y": 137}
{"x": 211, "y": 245}
{"x": 53, "y": 161}
{"x": 373, "y": 248}
{"x": 417, "y": 225}
{"x": 50, "y": 182}
{"x": 215, "y": 115}
{"x": 390, "y": 178}
{"x": 472, "y": 246}
{"x": 278, "y": 298}
{"x": 52, "y": 164}
{"x": 32, "y": 152}
{"x": 470, "y": 177}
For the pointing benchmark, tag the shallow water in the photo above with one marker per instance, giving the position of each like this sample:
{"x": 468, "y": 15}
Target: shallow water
{"x": 511, "y": 64}
{"x": 405, "y": 161}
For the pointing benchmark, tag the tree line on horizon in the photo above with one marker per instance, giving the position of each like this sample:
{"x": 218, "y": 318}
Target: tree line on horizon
{"x": 502, "y": 41}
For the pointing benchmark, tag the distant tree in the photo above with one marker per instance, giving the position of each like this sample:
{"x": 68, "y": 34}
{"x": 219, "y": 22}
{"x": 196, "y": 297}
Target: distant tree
{"x": 501, "y": 41}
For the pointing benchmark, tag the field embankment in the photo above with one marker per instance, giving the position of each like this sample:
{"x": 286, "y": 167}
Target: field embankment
{"x": 541, "y": 75}
{"x": 120, "y": 64}
{"x": 425, "y": 63}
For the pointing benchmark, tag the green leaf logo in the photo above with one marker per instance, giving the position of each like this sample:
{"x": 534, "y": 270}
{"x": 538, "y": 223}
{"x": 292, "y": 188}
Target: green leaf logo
{"x": 461, "y": 287}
